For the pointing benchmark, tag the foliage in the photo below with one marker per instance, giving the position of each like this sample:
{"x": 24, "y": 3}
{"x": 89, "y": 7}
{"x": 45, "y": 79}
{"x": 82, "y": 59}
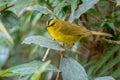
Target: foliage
{"x": 93, "y": 58}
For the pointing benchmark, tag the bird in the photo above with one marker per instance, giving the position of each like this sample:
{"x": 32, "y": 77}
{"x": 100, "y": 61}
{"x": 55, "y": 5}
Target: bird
{"x": 69, "y": 33}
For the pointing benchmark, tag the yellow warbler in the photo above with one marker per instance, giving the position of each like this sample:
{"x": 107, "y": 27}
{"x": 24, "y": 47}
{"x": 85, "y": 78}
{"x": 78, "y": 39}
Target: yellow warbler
{"x": 69, "y": 33}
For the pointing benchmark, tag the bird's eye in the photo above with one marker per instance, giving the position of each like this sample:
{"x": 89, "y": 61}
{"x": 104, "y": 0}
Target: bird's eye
{"x": 52, "y": 24}
{"x": 49, "y": 21}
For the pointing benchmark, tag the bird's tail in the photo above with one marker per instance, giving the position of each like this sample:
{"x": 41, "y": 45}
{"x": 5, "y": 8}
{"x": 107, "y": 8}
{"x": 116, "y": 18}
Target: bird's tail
{"x": 101, "y": 33}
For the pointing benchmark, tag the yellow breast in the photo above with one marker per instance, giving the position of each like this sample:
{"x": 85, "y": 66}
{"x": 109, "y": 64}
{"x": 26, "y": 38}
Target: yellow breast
{"x": 60, "y": 37}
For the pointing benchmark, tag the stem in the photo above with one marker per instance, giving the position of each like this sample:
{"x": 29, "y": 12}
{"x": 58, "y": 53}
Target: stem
{"x": 46, "y": 54}
{"x": 7, "y": 7}
{"x": 61, "y": 57}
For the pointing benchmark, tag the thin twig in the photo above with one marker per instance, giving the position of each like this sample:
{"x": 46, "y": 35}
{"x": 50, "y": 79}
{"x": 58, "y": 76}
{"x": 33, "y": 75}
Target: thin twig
{"x": 112, "y": 42}
{"x": 61, "y": 57}
{"x": 113, "y": 1}
{"x": 95, "y": 17}
{"x": 7, "y": 7}
{"x": 46, "y": 54}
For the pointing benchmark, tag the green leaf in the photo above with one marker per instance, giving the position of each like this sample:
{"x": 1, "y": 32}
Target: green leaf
{"x": 9, "y": 19}
{"x": 5, "y": 72}
{"x": 111, "y": 50}
{"x": 58, "y": 8}
{"x": 72, "y": 70}
{"x": 93, "y": 11}
{"x": 83, "y": 0}
{"x": 38, "y": 12}
{"x": 6, "y": 33}
{"x": 109, "y": 65}
{"x": 25, "y": 77}
{"x": 43, "y": 42}
{"x": 2, "y": 5}
{"x": 4, "y": 54}
{"x": 111, "y": 25}
{"x": 30, "y": 68}
{"x": 20, "y": 5}
{"x": 105, "y": 78}
{"x": 82, "y": 9}
{"x": 118, "y": 2}
{"x": 37, "y": 75}
{"x": 41, "y": 9}
{"x": 116, "y": 73}
{"x": 73, "y": 5}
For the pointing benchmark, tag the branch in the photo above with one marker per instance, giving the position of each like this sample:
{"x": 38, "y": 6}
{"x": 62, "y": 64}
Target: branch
{"x": 7, "y": 7}
{"x": 112, "y": 42}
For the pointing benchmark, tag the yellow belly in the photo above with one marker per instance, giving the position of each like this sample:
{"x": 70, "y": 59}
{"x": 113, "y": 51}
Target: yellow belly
{"x": 60, "y": 37}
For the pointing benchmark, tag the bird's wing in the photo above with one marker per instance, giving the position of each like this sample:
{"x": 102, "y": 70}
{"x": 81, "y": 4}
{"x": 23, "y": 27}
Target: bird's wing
{"x": 72, "y": 29}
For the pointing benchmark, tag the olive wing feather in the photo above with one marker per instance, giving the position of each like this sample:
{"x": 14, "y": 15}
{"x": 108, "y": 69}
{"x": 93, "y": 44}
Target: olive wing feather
{"x": 72, "y": 29}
